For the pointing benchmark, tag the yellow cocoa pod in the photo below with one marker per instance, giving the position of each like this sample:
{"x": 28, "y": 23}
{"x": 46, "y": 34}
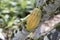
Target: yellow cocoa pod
{"x": 33, "y": 19}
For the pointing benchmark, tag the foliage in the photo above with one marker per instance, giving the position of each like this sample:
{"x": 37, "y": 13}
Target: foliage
{"x": 11, "y": 10}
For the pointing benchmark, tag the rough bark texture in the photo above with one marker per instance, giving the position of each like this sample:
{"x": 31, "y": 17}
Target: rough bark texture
{"x": 46, "y": 24}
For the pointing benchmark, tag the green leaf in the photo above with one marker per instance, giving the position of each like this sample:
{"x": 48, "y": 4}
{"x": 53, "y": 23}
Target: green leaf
{"x": 23, "y": 4}
{"x": 10, "y": 22}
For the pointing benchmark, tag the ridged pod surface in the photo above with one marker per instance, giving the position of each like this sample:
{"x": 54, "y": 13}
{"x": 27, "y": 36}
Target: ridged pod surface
{"x": 33, "y": 19}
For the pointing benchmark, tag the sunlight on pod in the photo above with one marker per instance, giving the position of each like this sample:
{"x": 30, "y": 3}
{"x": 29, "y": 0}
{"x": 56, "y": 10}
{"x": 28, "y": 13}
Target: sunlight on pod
{"x": 34, "y": 19}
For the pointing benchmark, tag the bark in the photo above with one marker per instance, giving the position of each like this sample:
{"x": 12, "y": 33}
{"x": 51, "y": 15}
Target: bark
{"x": 46, "y": 24}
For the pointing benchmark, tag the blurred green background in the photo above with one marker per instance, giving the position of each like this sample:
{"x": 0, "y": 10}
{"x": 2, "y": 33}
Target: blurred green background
{"x": 11, "y": 10}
